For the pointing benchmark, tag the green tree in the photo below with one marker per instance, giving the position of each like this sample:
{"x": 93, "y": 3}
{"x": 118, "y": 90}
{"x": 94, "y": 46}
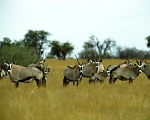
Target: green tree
{"x": 60, "y": 50}
{"x": 66, "y": 48}
{"x": 148, "y": 41}
{"x": 37, "y": 40}
{"x": 16, "y": 52}
{"x": 55, "y": 48}
{"x": 6, "y": 41}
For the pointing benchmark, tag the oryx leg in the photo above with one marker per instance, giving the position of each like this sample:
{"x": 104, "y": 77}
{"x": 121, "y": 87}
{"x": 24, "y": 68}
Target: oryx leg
{"x": 38, "y": 82}
{"x": 65, "y": 82}
{"x": 101, "y": 81}
{"x": 77, "y": 83}
{"x": 110, "y": 80}
{"x": 90, "y": 80}
{"x": 130, "y": 81}
{"x": 73, "y": 82}
{"x": 17, "y": 84}
{"x": 44, "y": 81}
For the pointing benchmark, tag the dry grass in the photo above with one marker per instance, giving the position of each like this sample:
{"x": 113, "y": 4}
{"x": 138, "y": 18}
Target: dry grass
{"x": 119, "y": 101}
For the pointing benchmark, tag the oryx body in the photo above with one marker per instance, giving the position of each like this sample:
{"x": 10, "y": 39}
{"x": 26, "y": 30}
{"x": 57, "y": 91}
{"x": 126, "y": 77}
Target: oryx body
{"x": 126, "y": 73}
{"x": 25, "y": 74}
{"x": 98, "y": 77}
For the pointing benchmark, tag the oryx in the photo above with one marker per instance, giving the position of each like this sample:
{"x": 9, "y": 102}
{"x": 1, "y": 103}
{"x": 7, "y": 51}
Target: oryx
{"x": 145, "y": 67}
{"x": 122, "y": 65}
{"x": 99, "y": 77}
{"x": 24, "y": 74}
{"x": 124, "y": 73}
{"x": 92, "y": 67}
{"x": 72, "y": 74}
{"x": 45, "y": 71}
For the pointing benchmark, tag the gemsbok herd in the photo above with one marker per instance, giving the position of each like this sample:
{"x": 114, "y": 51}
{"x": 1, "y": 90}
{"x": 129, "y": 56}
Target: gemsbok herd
{"x": 92, "y": 69}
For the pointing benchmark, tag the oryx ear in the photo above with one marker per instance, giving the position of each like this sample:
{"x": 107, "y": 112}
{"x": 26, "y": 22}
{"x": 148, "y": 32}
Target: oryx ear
{"x": 134, "y": 64}
{"x": 100, "y": 60}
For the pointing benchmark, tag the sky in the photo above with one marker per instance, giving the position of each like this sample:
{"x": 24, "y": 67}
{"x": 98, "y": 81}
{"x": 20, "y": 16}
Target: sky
{"x": 125, "y": 21}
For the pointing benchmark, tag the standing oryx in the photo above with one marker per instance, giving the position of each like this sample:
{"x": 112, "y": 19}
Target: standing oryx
{"x": 92, "y": 67}
{"x": 45, "y": 71}
{"x": 124, "y": 73}
{"x": 122, "y": 65}
{"x": 24, "y": 74}
{"x": 146, "y": 69}
{"x": 72, "y": 74}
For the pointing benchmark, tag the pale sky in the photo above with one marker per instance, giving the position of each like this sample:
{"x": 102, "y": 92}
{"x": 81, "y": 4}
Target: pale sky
{"x": 125, "y": 21}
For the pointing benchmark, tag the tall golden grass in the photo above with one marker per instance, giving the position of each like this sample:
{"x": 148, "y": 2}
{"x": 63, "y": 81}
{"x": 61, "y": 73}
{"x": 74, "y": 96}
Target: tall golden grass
{"x": 119, "y": 101}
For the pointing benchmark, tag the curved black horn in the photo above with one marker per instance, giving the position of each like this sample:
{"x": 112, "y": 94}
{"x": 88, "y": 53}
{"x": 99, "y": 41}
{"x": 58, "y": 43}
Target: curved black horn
{"x": 127, "y": 59}
{"x": 77, "y": 59}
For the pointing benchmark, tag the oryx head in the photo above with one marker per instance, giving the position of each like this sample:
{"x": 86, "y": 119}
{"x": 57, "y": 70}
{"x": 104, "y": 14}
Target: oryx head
{"x": 46, "y": 70}
{"x": 7, "y": 68}
{"x": 142, "y": 63}
{"x": 80, "y": 66}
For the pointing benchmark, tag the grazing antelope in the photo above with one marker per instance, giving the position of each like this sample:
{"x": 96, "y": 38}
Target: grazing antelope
{"x": 124, "y": 73}
{"x": 99, "y": 77}
{"x": 72, "y": 74}
{"x": 24, "y": 74}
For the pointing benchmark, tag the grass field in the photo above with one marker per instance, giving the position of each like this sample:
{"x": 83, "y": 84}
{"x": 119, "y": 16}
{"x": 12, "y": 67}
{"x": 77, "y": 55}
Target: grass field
{"x": 119, "y": 101}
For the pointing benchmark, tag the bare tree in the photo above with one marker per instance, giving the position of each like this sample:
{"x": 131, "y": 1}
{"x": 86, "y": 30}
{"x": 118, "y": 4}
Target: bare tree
{"x": 103, "y": 47}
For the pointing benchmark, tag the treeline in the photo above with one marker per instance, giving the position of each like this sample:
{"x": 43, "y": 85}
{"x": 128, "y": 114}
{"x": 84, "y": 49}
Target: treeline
{"x": 35, "y": 43}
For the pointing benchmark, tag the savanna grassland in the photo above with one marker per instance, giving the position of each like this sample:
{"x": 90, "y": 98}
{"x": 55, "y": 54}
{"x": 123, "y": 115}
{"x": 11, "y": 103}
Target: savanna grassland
{"x": 119, "y": 101}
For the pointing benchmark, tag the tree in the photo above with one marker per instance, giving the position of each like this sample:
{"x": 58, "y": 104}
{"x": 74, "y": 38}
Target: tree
{"x": 131, "y": 53}
{"x": 55, "y": 48}
{"x": 16, "y": 52}
{"x": 94, "y": 48}
{"x": 66, "y": 48}
{"x": 60, "y": 50}
{"x": 37, "y": 40}
{"x": 6, "y": 41}
{"x": 102, "y": 47}
{"x": 148, "y": 41}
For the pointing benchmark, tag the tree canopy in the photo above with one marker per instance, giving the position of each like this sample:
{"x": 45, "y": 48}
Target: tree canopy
{"x": 36, "y": 39}
{"x": 60, "y": 50}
